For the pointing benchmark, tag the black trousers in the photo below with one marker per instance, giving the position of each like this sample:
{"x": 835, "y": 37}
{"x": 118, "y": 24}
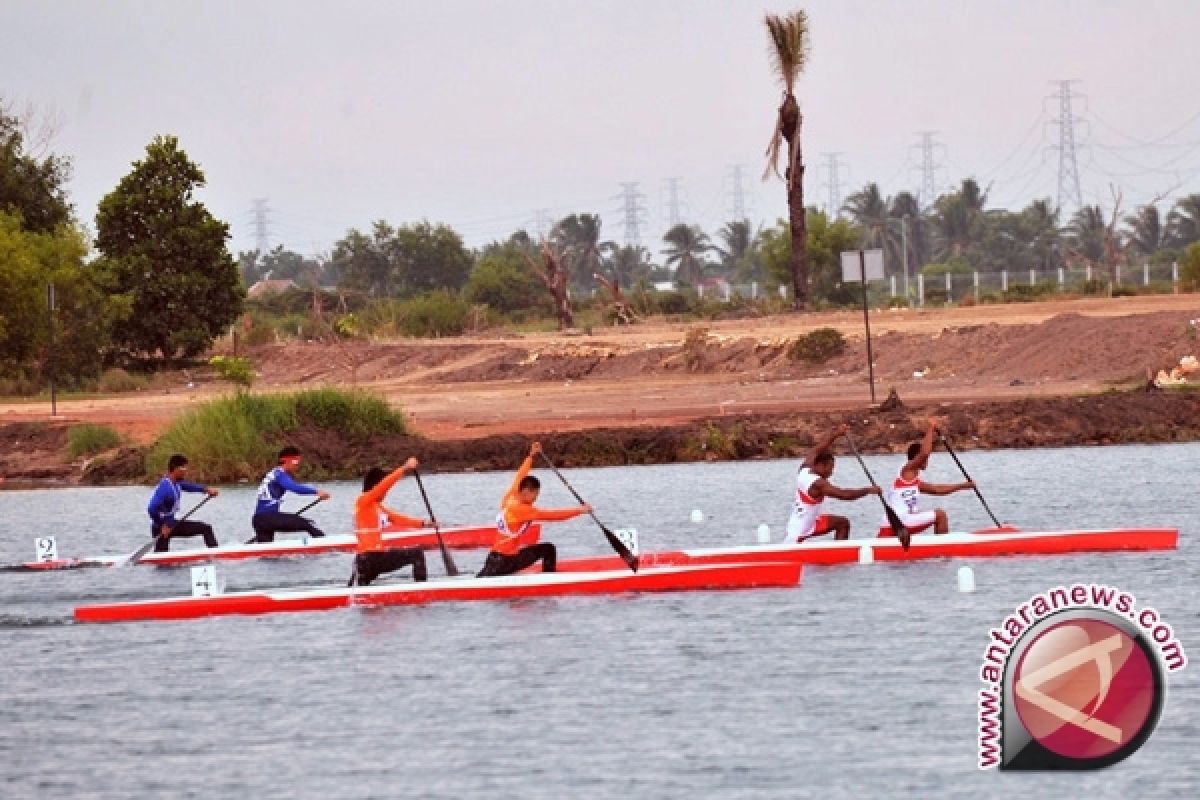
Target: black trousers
{"x": 269, "y": 523}
{"x": 185, "y": 528}
{"x": 500, "y": 564}
{"x": 369, "y": 566}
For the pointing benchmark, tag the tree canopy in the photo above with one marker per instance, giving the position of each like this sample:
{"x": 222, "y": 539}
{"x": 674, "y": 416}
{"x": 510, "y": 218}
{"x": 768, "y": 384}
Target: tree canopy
{"x": 167, "y": 253}
{"x": 30, "y": 188}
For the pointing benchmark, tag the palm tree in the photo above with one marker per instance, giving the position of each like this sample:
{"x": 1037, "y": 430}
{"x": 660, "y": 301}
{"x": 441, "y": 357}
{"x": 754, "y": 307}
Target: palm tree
{"x": 869, "y": 211}
{"x": 1040, "y": 220}
{"x": 905, "y": 213}
{"x": 739, "y": 256}
{"x": 688, "y": 244}
{"x": 1184, "y": 221}
{"x": 577, "y": 239}
{"x": 1145, "y": 232}
{"x": 789, "y": 56}
{"x": 1086, "y": 233}
{"x": 628, "y": 264}
{"x": 957, "y": 219}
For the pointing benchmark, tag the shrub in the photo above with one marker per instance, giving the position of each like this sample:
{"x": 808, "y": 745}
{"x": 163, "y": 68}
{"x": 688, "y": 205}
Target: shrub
{"x": 695, "y": 342}
{"x": 1093, "y": 286}
{"x": 116, "y": 379}
{"x": 1189, "y": 268}
{"x": 817, "y": 346}
{"x": 235, "y": 369}
{"x": 355, "y": 414}
{"x": 1027, "y": 293}
{"x": 88, "y": 439}
{"x": 672, "y": 302}
{"x": 238, "y": 436}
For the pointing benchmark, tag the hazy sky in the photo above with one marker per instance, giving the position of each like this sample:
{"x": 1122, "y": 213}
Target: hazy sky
{"x": 479, "y": 114}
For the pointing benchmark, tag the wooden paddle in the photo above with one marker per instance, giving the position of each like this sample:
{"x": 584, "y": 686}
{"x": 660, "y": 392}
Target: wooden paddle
{"x": 629, "y": 558}
{"x": 893, "y": 518}
{"x": 138, "y": 554}
{"x": 950, "y": 450}
{"x": 451, "y": 569}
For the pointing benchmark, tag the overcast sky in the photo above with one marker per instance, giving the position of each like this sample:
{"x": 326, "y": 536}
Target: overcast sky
{"x": 492, "y": 116}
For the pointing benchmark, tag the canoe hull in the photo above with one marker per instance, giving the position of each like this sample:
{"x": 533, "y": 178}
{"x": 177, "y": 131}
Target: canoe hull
{"x": 462, "y": 537}
{"x": 924, "y": 546}
{"x": 653, "y": 579}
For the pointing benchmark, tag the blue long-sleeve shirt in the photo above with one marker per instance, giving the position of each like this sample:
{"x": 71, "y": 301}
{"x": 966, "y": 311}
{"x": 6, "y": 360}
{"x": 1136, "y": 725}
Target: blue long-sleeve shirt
{"x": 274, "y": 484}
{"x": 164, "y": 503}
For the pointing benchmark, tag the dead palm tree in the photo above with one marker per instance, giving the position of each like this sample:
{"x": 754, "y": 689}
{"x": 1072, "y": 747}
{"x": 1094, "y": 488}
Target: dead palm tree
{"x": 789, "y": 56}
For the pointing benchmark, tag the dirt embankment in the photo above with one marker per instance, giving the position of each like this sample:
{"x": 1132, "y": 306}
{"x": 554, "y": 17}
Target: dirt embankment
{"x": 1007, "y": 376}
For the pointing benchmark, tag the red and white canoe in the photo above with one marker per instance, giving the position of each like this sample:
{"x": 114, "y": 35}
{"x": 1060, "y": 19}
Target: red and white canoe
{"x": 459, "y": 537}
{"x": 650, "y": 579}
{"x": 975, "y": 544}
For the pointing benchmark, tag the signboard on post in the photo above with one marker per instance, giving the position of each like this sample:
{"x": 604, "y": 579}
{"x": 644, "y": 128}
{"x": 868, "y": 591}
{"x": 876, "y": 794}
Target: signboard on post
{"x": 872, "y": 265}
{"x": 863, "y": 266}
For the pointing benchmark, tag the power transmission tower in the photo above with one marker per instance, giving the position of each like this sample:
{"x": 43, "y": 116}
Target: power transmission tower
{"x": 833, "y": 171}
{"x": 633, "y": 209}
{"x": 674, "y": 203}
{"x": 1068, "y": 167}
{"x": 262, "y": 225}
{"x": 739, "y": 200}
{"x": 928, "y": 191}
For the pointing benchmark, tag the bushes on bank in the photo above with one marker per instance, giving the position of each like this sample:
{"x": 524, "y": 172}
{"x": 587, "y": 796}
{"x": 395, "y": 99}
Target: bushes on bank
{"x": 238, "y": 436}
{"x": 817, "y": 346}
{"x": 89, "y": 439}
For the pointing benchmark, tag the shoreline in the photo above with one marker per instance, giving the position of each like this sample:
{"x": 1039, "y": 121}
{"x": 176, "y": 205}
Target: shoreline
{"x": 1127, "y": 417}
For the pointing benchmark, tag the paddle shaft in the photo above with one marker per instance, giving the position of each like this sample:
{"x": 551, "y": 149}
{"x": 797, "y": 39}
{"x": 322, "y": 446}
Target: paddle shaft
{"x": 629, "y": 558}
{"x": 950, "y": 450}
{"x": 893, "y": 518}
{"x": 254, "y": 539}
{"x": 141, "y": 551}
{"x": 447, "y": 561}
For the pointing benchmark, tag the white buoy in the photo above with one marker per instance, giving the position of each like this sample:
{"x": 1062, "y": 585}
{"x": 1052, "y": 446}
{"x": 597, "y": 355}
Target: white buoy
{"x": 697, "y": 515}
{"x": 866, "y": 555}
{"x": 966, "y": 579}
{"x": 764, "y": 533}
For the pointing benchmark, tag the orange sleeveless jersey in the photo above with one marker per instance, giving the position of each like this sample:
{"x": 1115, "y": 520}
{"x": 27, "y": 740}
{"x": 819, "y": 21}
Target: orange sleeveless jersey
{"x": 369, "y": 511}
{"x": 515, "y": 516}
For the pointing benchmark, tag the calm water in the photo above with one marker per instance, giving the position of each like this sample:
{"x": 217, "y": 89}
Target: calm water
{"x": 860, "y": 683}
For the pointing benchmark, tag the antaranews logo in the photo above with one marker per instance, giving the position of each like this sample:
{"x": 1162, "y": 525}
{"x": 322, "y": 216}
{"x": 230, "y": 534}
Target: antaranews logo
{"x": 1074, "y": 679}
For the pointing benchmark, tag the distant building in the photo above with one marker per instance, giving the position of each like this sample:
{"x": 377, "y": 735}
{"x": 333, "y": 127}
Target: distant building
{"x": 263, "y": 288}
{"x": 718, "y": 288}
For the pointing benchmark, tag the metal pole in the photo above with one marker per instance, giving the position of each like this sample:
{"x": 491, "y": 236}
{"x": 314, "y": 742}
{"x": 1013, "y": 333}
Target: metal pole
{"x": 50, "y": 351}
{"x": 904, "y": 241}
{"x": 862, "y": 274}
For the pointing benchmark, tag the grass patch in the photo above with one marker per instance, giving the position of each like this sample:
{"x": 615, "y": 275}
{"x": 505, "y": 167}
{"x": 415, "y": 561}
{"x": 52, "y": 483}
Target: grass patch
{"x": 89, "y": 439}
{"x": 238, "y": 436}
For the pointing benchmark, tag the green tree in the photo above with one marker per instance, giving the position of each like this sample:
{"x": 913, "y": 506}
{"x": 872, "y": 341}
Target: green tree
{"x": 503, "y": 281}
{"x": 1145, "y": 232}
{"x": 366, "y": 262}
{"x": 84, "y": 317}
{"x": 430, "y": 257}
{"x": 1184, "y": 221}
{"x": 628, "y": 264}
{"x": 577, "y": 238}
{"x": 30, "y": 188}
{"x": 739, "y": 250}
{"x": 957, "y": 221}
{"x": 827, "y": 240}
{"x": 789, "y": 56}
{"x": 167, "y": 253}
{"x": 1085, "y": 233}
{"x": 686, "y": 248}
{"x": 1189, "y": 267}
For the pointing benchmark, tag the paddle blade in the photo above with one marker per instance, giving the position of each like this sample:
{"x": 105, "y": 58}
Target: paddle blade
{"x": 898, "y": 527}
{"x": 447, "y": 561}
{"x": 628, "y": 557}
{"x": 140, "y": 553}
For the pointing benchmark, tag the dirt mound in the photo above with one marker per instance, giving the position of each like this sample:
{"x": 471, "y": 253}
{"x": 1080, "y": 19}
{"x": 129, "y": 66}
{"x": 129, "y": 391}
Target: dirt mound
{"x": 34, "y": 451}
